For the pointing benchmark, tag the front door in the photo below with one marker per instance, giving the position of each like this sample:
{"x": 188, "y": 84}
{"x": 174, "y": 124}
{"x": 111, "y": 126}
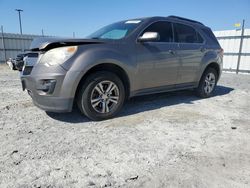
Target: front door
{"x": 158, "y": 61}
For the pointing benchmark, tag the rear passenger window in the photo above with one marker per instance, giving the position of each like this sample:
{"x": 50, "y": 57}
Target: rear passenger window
{"x": 186, "y": 34}
{"x": 164, "y": 29}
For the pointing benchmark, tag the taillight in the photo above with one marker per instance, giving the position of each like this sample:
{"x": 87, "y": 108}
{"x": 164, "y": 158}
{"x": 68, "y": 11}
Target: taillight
{"x": 221, "y": 52}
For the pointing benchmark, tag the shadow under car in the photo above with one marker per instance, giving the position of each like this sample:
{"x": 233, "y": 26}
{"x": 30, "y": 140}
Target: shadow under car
{"x": 143, "y": 103}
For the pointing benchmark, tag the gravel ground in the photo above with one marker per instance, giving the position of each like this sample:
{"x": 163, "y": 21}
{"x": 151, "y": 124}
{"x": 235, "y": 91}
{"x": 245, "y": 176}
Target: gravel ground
{"x": 165, "y": 140}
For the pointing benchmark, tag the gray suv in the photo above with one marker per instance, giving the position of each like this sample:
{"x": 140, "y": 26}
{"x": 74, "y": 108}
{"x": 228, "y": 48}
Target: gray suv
{"x": 125, "y": 59}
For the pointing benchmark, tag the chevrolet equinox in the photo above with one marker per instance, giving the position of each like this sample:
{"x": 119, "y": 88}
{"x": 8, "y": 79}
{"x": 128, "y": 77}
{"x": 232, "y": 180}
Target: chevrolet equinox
{"x": 122, "y": 60}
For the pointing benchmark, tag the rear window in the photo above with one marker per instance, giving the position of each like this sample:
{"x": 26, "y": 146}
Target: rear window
{"x": 186, "y": 34}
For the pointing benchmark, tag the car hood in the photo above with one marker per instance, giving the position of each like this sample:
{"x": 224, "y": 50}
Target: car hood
{"x": 47, "y": 43}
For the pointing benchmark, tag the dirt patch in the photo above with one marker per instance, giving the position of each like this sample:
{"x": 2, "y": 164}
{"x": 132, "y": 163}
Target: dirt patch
{"x": 165, "y": 140}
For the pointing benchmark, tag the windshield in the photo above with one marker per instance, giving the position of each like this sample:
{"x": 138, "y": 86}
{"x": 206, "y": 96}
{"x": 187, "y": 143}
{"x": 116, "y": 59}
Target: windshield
{"x": 115, "y": 31}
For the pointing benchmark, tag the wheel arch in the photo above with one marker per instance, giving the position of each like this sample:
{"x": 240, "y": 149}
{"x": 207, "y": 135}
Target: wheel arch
{"x": 111, "y": 67}
{"x": 213, "y": 65}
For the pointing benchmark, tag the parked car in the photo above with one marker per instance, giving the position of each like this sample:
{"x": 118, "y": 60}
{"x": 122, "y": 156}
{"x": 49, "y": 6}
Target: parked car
{"x": 11, "y": 63}
{"x": 20, "y": 61}
{"x": 17, "y": 63}
{"x": 122, "y": 60}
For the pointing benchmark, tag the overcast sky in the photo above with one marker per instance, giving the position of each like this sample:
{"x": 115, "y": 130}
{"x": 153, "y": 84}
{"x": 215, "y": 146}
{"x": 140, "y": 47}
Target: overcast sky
{"x": 63, "y": 17}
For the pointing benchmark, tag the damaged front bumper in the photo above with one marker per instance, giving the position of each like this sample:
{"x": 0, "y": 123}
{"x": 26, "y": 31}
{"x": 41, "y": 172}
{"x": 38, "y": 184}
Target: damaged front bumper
{"x": 45, "y": 89}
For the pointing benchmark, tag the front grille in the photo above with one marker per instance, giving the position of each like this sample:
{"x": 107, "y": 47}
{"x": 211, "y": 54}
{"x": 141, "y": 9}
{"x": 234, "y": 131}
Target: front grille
{"x": 32, "y": 54}
{"x": 27, "y": 70}
{"x": 29, "y": 61}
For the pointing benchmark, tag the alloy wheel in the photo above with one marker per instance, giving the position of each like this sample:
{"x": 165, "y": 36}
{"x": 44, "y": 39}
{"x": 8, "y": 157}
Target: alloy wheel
{"x": 104, "y": 96}
{"x": 209, "y": 83}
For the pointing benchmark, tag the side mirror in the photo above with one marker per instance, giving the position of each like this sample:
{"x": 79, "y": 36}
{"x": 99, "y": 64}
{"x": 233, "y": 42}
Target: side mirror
{"x": 149, "y": 37}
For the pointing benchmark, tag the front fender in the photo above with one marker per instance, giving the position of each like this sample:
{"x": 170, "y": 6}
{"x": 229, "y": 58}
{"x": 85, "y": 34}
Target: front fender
{"x": 89, "y": 58}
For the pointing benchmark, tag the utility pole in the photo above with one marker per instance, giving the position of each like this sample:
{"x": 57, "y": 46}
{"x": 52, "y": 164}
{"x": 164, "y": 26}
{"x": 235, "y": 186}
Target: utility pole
{"x": 20, "y": 21}
{"x": 241, "y": 43}
{"x": 73, "y": 34}
{"x": 42, "y": 33}
{"x": 3, "y": 43}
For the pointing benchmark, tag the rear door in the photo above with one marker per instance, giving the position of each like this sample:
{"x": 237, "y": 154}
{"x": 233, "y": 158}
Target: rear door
{"x": 191, "y": 51}
{"x": 158, "y": 61}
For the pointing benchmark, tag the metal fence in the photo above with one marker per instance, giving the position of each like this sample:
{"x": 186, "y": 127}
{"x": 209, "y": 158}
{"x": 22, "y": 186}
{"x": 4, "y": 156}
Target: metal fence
{"x": 235, "y": 59}
{"x": 236, "y": 49}
{"x": 13, "y": 44}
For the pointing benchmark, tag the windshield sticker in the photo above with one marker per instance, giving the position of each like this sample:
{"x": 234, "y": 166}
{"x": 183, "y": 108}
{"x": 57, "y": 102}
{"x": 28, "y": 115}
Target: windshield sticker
{"x": 132, "y": 21}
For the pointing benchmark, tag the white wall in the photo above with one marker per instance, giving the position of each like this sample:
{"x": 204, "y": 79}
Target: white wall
{"x": 231, "y": 44}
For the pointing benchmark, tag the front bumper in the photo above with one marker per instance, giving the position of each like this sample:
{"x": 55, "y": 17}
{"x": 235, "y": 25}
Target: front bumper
{"x": 50, "y": 88}
{"x": 54, "y": 104}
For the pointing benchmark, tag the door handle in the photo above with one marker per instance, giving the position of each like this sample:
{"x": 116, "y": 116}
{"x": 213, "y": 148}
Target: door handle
{"x": 171, "y": 52}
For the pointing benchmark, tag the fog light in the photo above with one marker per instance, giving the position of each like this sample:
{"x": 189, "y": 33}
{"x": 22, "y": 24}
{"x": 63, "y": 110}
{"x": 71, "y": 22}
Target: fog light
{"x": 46, "y": 86}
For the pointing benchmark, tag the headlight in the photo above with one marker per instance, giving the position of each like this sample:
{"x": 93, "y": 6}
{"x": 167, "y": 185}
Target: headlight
{"x": 58, "y": 55}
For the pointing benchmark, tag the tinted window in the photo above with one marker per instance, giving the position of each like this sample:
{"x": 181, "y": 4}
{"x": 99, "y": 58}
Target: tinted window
{"x": 164, "y": 29}
{"x": 210, "y": 35}
{"x": 186, "y": 34}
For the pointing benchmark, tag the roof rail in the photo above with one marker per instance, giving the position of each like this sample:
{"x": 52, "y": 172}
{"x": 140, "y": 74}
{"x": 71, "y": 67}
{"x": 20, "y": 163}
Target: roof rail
{"x": 185, "y": 19}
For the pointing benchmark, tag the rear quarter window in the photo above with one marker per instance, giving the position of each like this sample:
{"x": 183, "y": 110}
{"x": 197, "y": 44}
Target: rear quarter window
{"x": 208, "y": 32}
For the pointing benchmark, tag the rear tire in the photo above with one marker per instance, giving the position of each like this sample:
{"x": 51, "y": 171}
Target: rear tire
{"x": 101, "y": 96}
{"x": 207, "y": 83}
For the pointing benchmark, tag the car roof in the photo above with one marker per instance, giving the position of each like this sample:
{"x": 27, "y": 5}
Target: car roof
{"x": 171, "y": 18}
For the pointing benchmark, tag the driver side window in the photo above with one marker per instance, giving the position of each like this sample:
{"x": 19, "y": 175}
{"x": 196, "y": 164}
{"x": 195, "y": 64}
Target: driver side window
{"x": 163, "y": 28}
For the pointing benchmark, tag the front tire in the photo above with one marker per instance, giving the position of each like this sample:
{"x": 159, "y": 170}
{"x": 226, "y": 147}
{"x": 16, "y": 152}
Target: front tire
{"x": 207, "y": 83}
{"x": 101, "y": 96}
